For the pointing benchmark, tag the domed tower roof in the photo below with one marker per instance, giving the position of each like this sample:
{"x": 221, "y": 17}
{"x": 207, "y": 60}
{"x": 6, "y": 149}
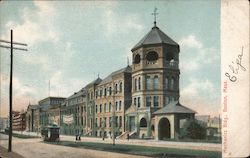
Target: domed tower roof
{"x": 155, "y": 36}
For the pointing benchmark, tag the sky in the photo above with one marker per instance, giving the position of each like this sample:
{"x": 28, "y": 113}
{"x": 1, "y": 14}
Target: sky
{"x": 70, "y": 43}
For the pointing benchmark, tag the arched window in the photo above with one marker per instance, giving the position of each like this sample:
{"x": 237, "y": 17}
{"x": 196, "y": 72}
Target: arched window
{"x": 148, "y": 101}
{"x": 116, "y": 88}
{"x": 166, "y": 83}
{"x": 96, "y": 109}
{"x": 139, "y": 83}
{"x": 156, "y": 101}
{"x": 105, "y": 91}
{"x": 134, "y": 101}
{"x": 148, "y": 82}
{"x": 100, "y": 108}
{"x": 120, "y": 87}
{"x": 105, "y": 107}
{"x": 152, "y": 56}
{"x": 166, "y": 100}
{"x": 96, "y": 94}
{"x": 116, "y": 106}
{"x": 120, "y": 105}
{"x": 139, "y": 102}
{"x": 137, "y": 59}
{"x": 143, "y": 122}
{"x": 156, "y": 82}
{"x": 135, "y": 84}
{"x": 100, "y": 92}
{"x": 172, "y": 83}
{"x": 110, "y": 90}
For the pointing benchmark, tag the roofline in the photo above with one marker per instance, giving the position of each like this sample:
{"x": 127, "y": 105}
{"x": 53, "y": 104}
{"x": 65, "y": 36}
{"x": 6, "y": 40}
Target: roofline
{"x": 155, "y": 44}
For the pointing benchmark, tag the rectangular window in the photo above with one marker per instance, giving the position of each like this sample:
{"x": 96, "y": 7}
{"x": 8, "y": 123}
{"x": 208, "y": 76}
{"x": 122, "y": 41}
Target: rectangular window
{"x": 139, "y": 83}
{"x": 116, "y": 106}
{"x": 96, "y": 124}
{"x": 100, "y": 108}
{"x": 110, "y": 107}
{"x": 156, "y": 101}
{"x": 134, "y": 101}
{"x": 105, "y": 121}
{"x": 120, "y": 121}
{"x": 110, "y": 121}
{"x": 100, "y": 124}
{"x": 139, "y": 102}
{"x": 96, "y": 109}
{"x": 116, "y": 121}
{"x": 105, "y": 107}
{"x": 148, "y": 101}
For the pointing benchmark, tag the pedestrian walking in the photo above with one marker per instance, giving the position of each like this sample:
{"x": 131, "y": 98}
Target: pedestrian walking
{"x": 128, "y": 136}
{"x": 76, "y": 136}
{"x": 79, "y": 136}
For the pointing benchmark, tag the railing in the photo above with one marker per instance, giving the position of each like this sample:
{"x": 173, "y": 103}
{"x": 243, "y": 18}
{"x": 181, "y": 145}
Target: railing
{"x": 172, "y": 64}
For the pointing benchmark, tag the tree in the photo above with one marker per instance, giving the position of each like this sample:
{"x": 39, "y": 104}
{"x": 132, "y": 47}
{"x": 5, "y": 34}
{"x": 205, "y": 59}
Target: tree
{"x": 193, "y": 129}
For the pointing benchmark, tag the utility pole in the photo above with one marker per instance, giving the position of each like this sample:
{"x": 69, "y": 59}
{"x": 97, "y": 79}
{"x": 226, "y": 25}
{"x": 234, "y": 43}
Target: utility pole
{"x": 11, "y": 75}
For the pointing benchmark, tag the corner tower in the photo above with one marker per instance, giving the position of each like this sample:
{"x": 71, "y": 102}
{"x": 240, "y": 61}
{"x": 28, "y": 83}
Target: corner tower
{"x": 155, "y": 70}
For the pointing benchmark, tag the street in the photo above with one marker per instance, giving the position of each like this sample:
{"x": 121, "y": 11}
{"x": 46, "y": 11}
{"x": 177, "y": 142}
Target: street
{"x": 31, "y": 148}
{"x": 35, "y": 146}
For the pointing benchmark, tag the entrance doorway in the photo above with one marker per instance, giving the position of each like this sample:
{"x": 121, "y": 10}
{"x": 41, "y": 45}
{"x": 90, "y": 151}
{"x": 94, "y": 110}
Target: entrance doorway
{"x": 131, "y": 123}
{"x": 164, "y": 129}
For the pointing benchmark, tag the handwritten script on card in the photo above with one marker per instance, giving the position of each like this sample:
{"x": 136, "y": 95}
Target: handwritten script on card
{"x": 236, "y": 67}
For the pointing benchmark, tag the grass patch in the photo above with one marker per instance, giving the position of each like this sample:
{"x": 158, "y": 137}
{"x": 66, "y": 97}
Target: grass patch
{"x": 209, "y": 140}
{"x": 141, "y": 150}
{"x": 22, "y": 136}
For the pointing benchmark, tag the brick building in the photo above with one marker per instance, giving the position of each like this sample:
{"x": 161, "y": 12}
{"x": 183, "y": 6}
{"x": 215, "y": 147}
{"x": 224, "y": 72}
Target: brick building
{"x": 18, "y": 121}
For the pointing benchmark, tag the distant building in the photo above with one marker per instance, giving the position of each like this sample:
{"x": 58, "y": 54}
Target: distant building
{"x": 213, "y": 124}
{"x": 73, "y": 115}
{"x": 49, "y": 111}
{"x": 32, "y": 118}
{"x": 18, "y": 121}
{"x": 3, "y": 123}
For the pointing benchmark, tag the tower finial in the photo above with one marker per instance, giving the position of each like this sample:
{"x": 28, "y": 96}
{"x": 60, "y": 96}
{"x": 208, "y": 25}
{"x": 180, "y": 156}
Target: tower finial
{"x": 154, "y": 13}
{"x": 128, "y": 61}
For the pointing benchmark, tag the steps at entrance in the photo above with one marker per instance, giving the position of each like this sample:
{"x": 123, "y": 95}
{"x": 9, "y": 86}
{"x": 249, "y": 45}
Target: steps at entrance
{"x": 123, "y": 135}
{"x": 132, "y": 135}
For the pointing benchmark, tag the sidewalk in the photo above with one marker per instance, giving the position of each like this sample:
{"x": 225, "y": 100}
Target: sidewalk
{"x": 5, "y": 154}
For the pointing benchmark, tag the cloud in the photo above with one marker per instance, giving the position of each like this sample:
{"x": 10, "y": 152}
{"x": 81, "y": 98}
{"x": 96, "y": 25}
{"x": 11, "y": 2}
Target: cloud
{"x": 201, "y": 95}
{"x": 198, "y": 86}
{"x": 194, "y": 56}
{"x": 36, "y": 26}
{"x": 190, "y": 41}
{"x": 115, "y": 25}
